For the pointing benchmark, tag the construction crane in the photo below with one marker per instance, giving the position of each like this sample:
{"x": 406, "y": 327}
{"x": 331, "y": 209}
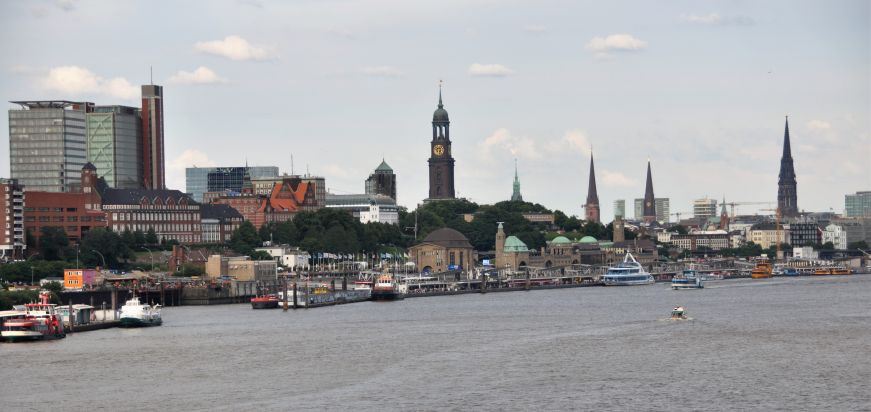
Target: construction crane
{"x": 678, "y": 214}
{"x": 733, "y": 204}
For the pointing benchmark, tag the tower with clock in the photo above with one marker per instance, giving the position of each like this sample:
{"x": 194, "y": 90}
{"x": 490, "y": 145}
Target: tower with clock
{"x": 441, "y": 161}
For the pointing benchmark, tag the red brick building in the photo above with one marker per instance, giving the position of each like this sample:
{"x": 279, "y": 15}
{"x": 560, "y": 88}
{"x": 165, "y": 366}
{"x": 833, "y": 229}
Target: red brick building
{"x": 75, "y": 212}
{"x": 288, "y": 197}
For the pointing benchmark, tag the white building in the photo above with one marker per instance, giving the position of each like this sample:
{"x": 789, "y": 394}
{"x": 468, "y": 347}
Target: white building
{"x": 805, "y": 252}
{"x": 704, "y": 208}
{"x": 835, "y": 234}
{"x": 290, "y": 257}
{"x": 367, "y": 208}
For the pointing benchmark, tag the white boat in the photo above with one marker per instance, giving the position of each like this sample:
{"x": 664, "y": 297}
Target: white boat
{"x": 38, "y": 321}
{"x": 135, "y": 314}
{"x": 627, "y": 273}
{"x": 688, "y": 279}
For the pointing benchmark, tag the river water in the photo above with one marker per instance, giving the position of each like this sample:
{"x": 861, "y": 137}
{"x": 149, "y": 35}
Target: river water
{"x": 777, "y": 344}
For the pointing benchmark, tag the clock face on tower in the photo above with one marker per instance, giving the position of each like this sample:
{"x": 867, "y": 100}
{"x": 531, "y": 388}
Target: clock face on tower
{"x": 438, "y": 150}
{"x": 648, "y": 204}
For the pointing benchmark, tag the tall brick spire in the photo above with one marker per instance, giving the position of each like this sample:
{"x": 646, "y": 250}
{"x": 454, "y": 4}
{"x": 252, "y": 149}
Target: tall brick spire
{"x": 787, "y": 200}
{"x": 592, "y": 205}
{"x": 649, "y": 199}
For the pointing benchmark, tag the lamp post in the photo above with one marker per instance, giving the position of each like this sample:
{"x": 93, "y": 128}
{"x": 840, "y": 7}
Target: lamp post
{"x": 31, "y": 276}
{"x": 152, "y": 257}
{"x": 101, "y": 257}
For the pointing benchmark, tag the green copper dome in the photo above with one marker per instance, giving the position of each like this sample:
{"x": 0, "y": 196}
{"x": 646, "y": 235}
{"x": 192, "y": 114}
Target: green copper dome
{"x": 513, "y": 245}
{"x": 384, "y": 167}
{"x": 588, "y": 239}
{"x": 560, "y": 240}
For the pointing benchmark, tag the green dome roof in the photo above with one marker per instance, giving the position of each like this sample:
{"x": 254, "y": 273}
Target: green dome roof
{"x": 560, "y": 240}
{"x": 513, "y": 244}
{"x": 588, "y": 239}
{"x": 384, "y": 167}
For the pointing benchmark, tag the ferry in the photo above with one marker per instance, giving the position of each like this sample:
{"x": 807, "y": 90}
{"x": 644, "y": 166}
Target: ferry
{"x": 789, "y": 272}
{"x": 679, "y": 313}
{"x": 627, "y": 273}
{"x": 135, "y": 314}
{"x": 762, "y": 270}
{"x": 40, "y": 321}
{"x": 265, "y": 302}
{"x": 689, "y": 279}
{"x": 386, "y": 288}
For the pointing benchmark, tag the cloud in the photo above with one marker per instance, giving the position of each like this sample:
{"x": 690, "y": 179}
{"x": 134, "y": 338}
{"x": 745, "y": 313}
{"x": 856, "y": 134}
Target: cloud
{"x": 191, "y": 158}
{"x": 253, "y": 3}
{"x": 65, "y": 5}
{"x": 338, "y": 31}
{"x": 382, "y": 71}
{"x": 531, "y": 148}
{"x": 535, "y": 28}
{"x": 819, "y": 125}
{"x": 202, "y": 75}
{"x": 75, "y": 81}
{"x": 616, "y": 42}
{"x": 716, "y": 19}
{"x": 235, "y": 48}
{"x": 612, "y": 179}
{"x": 489, "y": 70}
{"x": 576, "y": 140}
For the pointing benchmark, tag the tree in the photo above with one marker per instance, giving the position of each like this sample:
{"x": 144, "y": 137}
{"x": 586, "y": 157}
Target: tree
{"x": 245, "y": 238}
{"x": 261, "y": 255}
{"x": 679, "y": 229}
{"x": 858, "y": 245}
{"x": 107, "y": 243}
{"x": 53, "y": 242}
{"x": 151, "y": 237}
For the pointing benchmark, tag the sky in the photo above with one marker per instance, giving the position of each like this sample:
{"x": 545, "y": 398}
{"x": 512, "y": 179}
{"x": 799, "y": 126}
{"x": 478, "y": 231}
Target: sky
{"x": 700, "y": 88}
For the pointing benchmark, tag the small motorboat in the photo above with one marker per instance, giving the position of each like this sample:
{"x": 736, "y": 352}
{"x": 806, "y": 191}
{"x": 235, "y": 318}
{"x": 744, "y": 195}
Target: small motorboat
{"x": 679, "y": 313}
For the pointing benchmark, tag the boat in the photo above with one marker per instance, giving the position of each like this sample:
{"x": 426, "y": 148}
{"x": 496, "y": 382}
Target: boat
{"x": 627, "y": 273}
{"x": 679, "y": 313}
{"x": 823, "y": 271}
{"x": 387, "y": 288}
{"x": 265, "y": 302}
{"x": 711, "y": 276}
{"x": 689, "y": 279}
{"x": 40, "y": 321}
{"x": 841, "y": 271}
{"x": 762, "y": 270}
{"x": 135, "y": 314}
{"x": 789, "y": 272}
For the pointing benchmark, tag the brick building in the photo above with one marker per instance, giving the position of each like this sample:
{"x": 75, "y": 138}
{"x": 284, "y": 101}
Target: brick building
{"x": 12, "y": 243}
{"x": 288, "y": 197}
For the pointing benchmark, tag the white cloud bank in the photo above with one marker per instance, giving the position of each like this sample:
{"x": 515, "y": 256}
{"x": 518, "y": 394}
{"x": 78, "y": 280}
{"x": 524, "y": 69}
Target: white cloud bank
{"x": 616, "y": 42}
{"x": 525, "y": 147}
{"x": 202, "y": 75}
{"x": 489, "y": 70}
{"x": 235, "y": 48}
{"x": 76, "y": 81}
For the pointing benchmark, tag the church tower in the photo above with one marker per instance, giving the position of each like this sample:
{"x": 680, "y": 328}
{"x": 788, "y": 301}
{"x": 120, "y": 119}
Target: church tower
{"x": 649, "y": 199}
{"x": 441, "y": 162}
{"x": 724, "y": 217}
{"x": 786, "y": 185}
{"x": 515, "y": 195}
{"x": 592, "y": 205}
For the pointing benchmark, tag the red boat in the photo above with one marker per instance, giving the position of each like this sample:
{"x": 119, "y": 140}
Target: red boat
{"x": 265, "y": 302}
{"x": 40, "y": 322}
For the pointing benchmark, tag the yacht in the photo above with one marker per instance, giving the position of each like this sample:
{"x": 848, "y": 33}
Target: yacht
{"x": 627, "y": 273}
{"x": 689, "y": 279}
{"x": 135, "y": 314}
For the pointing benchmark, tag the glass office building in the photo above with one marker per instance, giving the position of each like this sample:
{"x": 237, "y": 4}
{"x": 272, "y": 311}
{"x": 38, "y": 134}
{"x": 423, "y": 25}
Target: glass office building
{"x": 199, "y": 180}
{"x": 114, "y": 140}
{"x": 858, "y": 205}
{"x": 47, "y": 144}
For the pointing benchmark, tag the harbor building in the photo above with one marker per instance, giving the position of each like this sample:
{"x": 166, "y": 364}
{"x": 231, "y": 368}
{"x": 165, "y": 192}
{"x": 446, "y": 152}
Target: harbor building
{"x": 288, "y": 196}
{"x": 787, "y": 202}
{"x": 804, "y": 233}
{"x": 768, "y": 234}
{"x": 47, "y": 144}
{"x": 836, "y": 235}
{"x": 592, "y": 205}
{"x": 199, "y": 180}
{"x": 382, "y": 181}
{"x": 858, "y": 205}
{"x": 443, "y": 250}
{"x": 662, "y": 205}
{"x": 366, "y": 208}
{"x": 218, "y": 222}
{"x": 620, "y": 208}
{"x": 153, "y": 164}
{"x": 441, "y": 160}
{"x": 114, "y": 144}
{"x": 704, "y": 208}
{"x": 12, "y": 242}
{"x": 241, "y": 268}
{"x": 265, "y": 185}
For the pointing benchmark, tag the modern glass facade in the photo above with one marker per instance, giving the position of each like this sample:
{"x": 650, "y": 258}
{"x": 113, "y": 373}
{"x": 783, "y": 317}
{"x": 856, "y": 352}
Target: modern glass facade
{"x": 858, "y": 205}
{"x": 47, "y": 144}
{"x": 114, "y": 140}
{"x": 620, "y": 208}
{"x": 199, "y": 180}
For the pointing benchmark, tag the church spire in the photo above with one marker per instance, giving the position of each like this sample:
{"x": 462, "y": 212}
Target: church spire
{"x": 786, "y": 185}
{"x": 592, "y": 205}
{"x": 515, "y": 195}
{"x": 649, "y": 199}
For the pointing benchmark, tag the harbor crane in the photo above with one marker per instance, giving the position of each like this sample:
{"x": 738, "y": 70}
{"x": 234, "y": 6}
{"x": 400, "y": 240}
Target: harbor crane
{"x": 733, "y": 204}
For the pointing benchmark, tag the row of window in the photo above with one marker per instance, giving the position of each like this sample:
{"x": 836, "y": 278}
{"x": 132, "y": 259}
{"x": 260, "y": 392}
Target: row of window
{"x": 154, "y": 216}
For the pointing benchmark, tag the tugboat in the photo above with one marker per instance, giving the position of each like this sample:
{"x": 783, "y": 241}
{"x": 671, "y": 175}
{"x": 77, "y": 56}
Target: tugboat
{"x": 689, "y": 279}
{"x": 40, "y": 322}
{"x": 386, "y": 288}
{"x": 679, "y": 313}
{"x": 134, "y": 314}
{"x": 265, "y": 302}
